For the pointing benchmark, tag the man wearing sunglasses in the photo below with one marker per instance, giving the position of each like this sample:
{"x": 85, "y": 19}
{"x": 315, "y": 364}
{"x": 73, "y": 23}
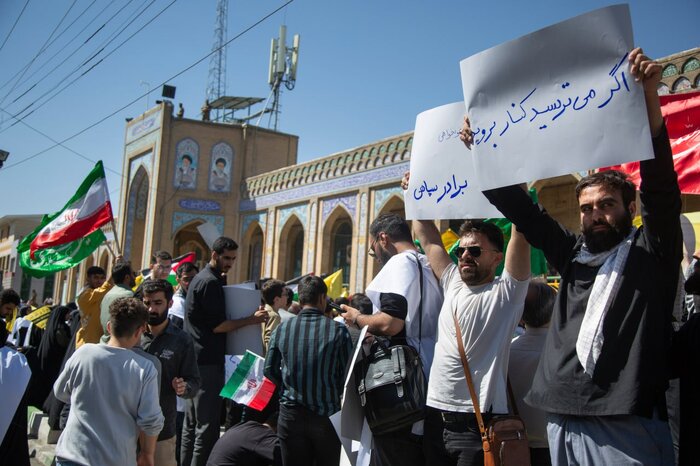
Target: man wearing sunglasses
{"x": 487, "y": 309}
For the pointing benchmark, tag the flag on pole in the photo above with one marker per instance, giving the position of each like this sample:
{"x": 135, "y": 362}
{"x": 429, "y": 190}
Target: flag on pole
{"x": 334, "y": 282}
{"x": 247, "y": 385}
{"x": 65, "y": 238}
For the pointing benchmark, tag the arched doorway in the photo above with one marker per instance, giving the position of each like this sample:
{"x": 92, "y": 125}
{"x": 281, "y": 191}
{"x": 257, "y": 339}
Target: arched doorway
{"x": 104, "y": 261}
{"x": 252, "y": 253}
{"x": 187, "y": 239}
{"x": 394, "y": 205}
{"x": 291, "y": 250}
{"x": 337, "y": 239}
{"x": 137, "y": 206}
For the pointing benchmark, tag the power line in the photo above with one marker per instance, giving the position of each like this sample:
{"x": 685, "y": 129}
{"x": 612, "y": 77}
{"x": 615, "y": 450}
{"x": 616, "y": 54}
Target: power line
{"x": 86, "y": 62}
{"x": 41, "y": 50}
{"x": 60, "y": 143}
{"x": 14, "y": 25}
{"x": 48, "y": 44}
{"x": 65, "y": 60}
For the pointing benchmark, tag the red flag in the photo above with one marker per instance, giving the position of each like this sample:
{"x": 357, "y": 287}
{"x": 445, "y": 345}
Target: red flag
{"x": 178, "y": 261}
{"x": 682, "y": 115}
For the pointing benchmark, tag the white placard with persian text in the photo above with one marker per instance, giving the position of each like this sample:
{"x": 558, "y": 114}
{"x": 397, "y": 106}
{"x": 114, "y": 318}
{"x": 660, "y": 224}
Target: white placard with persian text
{"x": 557, "y": 101}
{"x": 443, "y": 183}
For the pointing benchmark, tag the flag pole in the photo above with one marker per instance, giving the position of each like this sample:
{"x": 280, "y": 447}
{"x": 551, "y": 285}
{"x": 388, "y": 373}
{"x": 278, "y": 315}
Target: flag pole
{"x": 116, "y": 238}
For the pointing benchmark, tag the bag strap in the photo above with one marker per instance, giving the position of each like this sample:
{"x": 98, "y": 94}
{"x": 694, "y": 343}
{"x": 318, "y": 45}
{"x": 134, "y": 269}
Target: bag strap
{"x": 470, "y": 383}
{"x": 511, "y": 398}
{"x": 420, "y": 305}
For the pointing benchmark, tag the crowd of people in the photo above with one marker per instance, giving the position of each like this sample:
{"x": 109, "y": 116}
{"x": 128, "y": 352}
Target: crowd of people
{"x": 132, "y": 374}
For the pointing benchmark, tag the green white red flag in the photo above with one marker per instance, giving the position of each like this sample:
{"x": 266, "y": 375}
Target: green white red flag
{"x": 65, "y": 238}
{"x": 247, "y": 385}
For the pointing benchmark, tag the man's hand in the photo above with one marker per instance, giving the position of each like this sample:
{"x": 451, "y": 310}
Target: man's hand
{"x": 648, "y": 72}
{"x": 350, "y": 314}
{"x": 260, "y": 315}
{"x": 465, "y": 134}
{"x": 179, "y": 385}
{"x": 145, "y": 459}
{"x": 645, "y": 70}
{"x": 404, "y": 181}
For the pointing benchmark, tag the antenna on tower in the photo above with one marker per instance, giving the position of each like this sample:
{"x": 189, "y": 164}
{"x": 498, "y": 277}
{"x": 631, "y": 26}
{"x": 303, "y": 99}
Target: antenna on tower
{"x": 216, "y": 84}
{"x": 283, "y": 68}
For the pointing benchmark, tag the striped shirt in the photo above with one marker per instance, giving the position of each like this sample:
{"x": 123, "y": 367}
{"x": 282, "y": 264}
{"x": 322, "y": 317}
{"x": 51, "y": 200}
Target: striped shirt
{"x": 307, "y": 357}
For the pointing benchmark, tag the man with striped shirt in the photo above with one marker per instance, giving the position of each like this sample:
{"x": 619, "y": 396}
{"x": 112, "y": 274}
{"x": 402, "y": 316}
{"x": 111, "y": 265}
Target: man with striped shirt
{"x": 306, "y": 358}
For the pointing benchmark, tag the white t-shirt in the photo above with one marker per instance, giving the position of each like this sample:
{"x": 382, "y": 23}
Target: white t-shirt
{"x": 487, "y": 316}
{"x": 400, "y": 276}
{"x": 178, "y": 307}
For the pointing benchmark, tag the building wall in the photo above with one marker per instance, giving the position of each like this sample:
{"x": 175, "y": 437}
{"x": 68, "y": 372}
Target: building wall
{"x": 681, "y": 72}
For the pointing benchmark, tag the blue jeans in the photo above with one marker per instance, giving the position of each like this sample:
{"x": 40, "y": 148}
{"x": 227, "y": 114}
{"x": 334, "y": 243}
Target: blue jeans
{"x": 453, "y": 439}
{"x": 66, "y": 463}
{"x": 306, "y": 438}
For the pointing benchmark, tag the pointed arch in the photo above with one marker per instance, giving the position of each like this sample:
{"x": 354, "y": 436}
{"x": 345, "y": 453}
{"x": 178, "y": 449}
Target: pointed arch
{"x": 337, "y": 240}
{"x": 136, "y": 209}
{"x": 290, "y": 257}
{"x": 252, "y": 251}
{"x": 187, "y": 239}
{"x": 393, "y": 204}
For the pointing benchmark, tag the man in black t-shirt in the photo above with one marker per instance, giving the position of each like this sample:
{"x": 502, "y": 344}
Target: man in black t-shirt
{"x": 205, "y": 321}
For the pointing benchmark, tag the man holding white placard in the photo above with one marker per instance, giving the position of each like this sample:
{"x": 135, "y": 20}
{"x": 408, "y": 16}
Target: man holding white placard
{"x": 205, "y": 321}
{"x": 603, "y": 373}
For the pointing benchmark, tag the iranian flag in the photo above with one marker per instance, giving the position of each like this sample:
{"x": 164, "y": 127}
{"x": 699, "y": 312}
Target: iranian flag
{"x": 247, "y": 385}
{"x": 65, "y": 238}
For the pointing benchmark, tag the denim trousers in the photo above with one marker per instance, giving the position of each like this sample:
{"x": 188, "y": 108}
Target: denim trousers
{"x": 306, "y": 438}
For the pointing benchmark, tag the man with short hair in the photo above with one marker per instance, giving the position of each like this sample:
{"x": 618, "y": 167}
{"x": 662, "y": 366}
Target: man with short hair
{"x": 604, "y": 369}
{"x": 161, "y": 264}
{"x": 248, "y": 443}
{"x": 525, "y": 353}
{"x": 89, "y": 301}
{"x": 113, "y": 393}
{"x": 406, "y": 311}
{"x": 274, "y": 293}
{"x": 205, "y": 321}
{"x": 487, "y": 309}
{"x": 123, "y": 278}
{"x": 179, "y": 372}
{"x": 184, "y": 275}
{"x": 306, "y": 360}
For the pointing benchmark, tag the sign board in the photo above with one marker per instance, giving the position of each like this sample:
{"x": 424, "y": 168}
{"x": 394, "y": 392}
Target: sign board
{"x": 557, "y": 101}
{"x": 443, "y": 182}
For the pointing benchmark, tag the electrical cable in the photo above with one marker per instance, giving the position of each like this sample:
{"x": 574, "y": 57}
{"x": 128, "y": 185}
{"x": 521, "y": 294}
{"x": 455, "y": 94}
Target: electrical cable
{"x": 95, "y": 54}
{"x": 14, "y": 25}
{"x": 89, "y": 127}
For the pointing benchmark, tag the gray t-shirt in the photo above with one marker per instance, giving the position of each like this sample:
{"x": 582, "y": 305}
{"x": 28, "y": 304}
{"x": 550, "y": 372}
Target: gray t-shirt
{"x": 113, "y": 393}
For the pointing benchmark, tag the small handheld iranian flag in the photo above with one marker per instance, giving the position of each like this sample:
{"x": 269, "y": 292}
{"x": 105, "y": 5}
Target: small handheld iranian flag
{"x": 65, "y": 238}
{"x": 247, "y": 385}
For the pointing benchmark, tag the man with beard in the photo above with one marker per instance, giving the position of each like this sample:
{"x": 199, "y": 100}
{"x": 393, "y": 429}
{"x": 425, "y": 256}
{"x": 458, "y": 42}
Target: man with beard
{"x": 487, "y": 309}
{"x": 604, "y": 368}
{"x": 161, "y": 264}
{"x": 396, "y": 297}
{"x": 205, "y": 321}
{"x": 175, "y": 350}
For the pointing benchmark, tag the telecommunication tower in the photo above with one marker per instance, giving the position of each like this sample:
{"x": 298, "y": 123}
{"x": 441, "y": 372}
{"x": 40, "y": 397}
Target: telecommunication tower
{"x": 283, "y": 68}
{"x": 216, "y": 84}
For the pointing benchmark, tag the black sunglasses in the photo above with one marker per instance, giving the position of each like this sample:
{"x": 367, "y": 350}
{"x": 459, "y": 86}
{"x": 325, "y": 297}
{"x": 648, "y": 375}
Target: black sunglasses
{"x": 474, "y": 251}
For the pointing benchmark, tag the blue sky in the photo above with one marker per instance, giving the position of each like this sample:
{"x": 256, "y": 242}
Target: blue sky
{"x": 366, "y": 69}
